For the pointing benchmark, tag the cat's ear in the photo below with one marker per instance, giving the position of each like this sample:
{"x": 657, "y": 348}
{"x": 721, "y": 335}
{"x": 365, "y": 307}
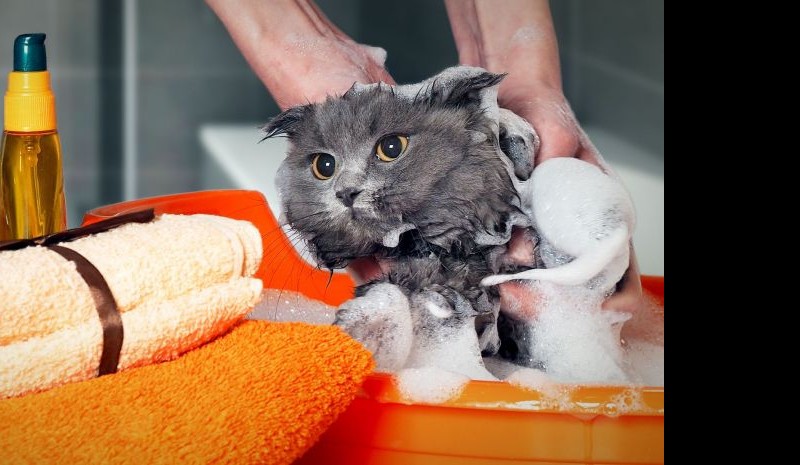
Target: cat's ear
{"x": 461, "y": 86}
{"x": 471, "y": 89}
{"x": 356, "y": 89}
{"x": 286, "y": 123}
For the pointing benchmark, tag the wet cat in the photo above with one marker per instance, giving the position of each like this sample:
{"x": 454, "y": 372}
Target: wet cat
{"x": 430, "y": 178}
{"x": 413, "y": 175}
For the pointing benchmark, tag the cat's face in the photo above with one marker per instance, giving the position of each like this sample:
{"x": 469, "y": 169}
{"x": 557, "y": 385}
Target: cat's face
{"x": 378, "y": 161}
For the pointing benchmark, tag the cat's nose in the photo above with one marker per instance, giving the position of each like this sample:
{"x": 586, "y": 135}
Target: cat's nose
{"x": 348, "y": 195}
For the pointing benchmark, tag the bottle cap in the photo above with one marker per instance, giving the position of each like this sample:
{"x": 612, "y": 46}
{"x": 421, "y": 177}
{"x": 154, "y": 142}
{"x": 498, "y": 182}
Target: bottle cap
{"x": 29, "y": 54}
{"x": 30, "y": 105}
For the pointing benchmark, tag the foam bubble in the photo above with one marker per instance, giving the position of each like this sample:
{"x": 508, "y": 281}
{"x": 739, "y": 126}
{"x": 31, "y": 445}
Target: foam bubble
{"x": 282, "y": 306}
{"x": 430, "y": 384}
{"x": 554, "y": 395}
{"x": 574, "y": 339}
{"x": 537, "y": 380}
{"x": 645, "y": 362}
{"x": 629, "y": 400}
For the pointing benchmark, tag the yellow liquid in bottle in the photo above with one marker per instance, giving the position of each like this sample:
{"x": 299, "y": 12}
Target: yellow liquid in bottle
{"x": 31, "y": 185}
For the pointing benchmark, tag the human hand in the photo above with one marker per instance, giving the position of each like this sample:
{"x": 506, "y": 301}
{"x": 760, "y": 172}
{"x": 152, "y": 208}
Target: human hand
{"x": 296, "y": 51}
{"x": 519, "y": 39}
{"x": 560, "y": 135}
{"x": 548, "y": 111}
{"x": 322, "y": 67}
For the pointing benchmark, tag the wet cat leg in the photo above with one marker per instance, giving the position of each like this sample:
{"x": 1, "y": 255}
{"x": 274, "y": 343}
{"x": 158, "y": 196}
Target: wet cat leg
{"x": 488, "y": 310}
{"x": 444, "y": 333}
{"x": 381, "y": 321}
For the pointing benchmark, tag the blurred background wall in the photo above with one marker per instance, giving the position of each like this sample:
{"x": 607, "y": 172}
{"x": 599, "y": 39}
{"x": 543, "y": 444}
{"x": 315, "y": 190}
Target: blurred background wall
{"x": 183, "y": 70}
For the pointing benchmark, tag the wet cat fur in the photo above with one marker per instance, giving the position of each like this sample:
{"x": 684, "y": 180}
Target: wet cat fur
{"x": 450, "y": 193}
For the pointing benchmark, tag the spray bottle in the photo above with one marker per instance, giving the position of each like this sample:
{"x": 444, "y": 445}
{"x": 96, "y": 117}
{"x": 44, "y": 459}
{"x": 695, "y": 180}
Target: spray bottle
{"x": 31, "y": 181}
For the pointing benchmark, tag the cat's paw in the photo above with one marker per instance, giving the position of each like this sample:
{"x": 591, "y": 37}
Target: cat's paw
{"x": 381, "y": 321}
{"x": 519, "y": 142}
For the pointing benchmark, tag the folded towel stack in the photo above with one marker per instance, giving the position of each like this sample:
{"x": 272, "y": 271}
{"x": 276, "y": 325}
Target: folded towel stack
{"x": 178, "y": 281}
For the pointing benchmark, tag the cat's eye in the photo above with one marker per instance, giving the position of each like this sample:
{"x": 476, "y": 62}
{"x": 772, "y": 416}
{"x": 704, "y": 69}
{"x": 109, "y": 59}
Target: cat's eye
{"x": 323, "y": 165}
{"x": 391, "y": 147}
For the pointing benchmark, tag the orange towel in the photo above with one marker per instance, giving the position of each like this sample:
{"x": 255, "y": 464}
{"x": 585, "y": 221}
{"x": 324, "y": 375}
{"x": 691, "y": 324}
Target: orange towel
{"x": 262, "y": 394}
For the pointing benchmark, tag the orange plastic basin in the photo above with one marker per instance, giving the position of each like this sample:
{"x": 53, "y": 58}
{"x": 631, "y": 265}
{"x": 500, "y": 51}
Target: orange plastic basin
{"x": 490, "y": 422}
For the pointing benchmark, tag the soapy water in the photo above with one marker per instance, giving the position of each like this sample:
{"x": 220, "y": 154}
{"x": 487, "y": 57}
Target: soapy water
{"x": 289, "y": 306}
{"x": 575, "y": 341}
{"x": 430, "y": 384}
{"x": 553, "y": 395}
{"x": 645, "y": 362}
{"x": 431, "y": 348}
{"x": 573, "y": 338}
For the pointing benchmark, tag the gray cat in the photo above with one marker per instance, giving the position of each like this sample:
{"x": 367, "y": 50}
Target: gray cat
{"x": 422, "y": 177}
{"x": 429, "y": 179}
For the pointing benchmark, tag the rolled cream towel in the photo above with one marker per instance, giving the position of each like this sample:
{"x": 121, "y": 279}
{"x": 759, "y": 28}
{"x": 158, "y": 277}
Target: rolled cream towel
{"x": 155, "y": 331}
{"x": 41, "y": 292}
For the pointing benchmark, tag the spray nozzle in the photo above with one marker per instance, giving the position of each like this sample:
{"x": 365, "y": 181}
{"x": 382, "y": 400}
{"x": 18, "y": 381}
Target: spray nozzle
{"x": 29, "y": 54}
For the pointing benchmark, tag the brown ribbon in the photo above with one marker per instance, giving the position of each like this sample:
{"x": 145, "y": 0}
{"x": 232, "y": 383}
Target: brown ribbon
{"x": 104, "y": 302}
{"x": 106, "y": 307}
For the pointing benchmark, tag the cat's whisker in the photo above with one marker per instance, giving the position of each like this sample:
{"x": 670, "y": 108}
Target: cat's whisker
{"x": 289, "y": 275}
{"x": 277, "y": 243}
{"x": 278, "y": 230}
{"x": 286, "y": 252}
{"x": 280, "y": 248}
{"x": 273, "y": 247}
{"x": 305, "y": 255}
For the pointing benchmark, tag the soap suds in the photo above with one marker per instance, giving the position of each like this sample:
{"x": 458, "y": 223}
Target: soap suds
{"x": 430, "y": 385}
{"x": 289, "y": 306}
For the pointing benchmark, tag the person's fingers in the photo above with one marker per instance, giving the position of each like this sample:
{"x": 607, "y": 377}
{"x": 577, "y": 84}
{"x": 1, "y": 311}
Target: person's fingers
{"x": 628, "y": 300}
{"x": 521, "y": 248}
{"x": 589, "y": 154}
{"x": 519, "y": 300}
{"x": 379, "y": 73}
{"x": 552, "y": 118}
{"x": 557, "y": 140}
{"x": 647, "y": 320}
{"x": 561, "y": 136}
{"x": 558, "y": 130}
{"x": 628, "y": 297}
{"x": 645, "y": 323}
{"x": 327, "y": 67}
